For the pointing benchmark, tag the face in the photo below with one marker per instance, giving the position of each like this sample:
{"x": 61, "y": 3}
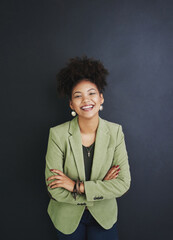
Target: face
{"x": 86, "y": 99}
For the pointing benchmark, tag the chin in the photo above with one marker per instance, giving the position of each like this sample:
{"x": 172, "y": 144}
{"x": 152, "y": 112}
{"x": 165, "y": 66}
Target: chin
{"x": 88, "y": 116}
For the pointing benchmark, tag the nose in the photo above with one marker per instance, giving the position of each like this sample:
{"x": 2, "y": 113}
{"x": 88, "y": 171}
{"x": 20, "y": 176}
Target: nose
{"x": 85, "y": 98}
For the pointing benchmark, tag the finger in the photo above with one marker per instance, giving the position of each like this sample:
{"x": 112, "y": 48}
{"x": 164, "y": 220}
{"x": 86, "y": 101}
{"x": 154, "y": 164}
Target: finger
{"x": 55, "y": 186}
{"x": 114, "y": 170}
{"x": 54, "y": 177}
{"x": 111, "y": 171}
{"x": 116, "y": 166}
{"x": 53, "y": 183}
{"x": 117, "y": 171}
{"x": 57, "y": 171}
{"x": 56, "y": 182}
{"x": 115, "y": 175}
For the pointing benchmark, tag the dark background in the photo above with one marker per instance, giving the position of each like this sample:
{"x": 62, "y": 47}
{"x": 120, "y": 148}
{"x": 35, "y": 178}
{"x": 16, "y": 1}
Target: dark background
{"x": 134, "y": 40}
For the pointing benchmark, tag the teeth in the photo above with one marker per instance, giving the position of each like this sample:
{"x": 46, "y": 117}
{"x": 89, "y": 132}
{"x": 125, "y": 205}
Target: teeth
{"x": 85, "y": 107}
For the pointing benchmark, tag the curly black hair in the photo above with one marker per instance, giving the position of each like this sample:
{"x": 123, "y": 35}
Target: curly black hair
{"x": 78, "y": 69}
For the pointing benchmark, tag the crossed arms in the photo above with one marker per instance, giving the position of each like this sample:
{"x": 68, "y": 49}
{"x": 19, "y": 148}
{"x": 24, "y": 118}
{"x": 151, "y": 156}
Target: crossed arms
{"x": 115, "y": 183}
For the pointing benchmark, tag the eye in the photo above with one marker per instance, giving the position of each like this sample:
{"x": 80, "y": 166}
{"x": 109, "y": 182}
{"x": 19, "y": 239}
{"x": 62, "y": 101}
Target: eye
{"x": 92, "y": 93}
{"x": 77, "y": 96}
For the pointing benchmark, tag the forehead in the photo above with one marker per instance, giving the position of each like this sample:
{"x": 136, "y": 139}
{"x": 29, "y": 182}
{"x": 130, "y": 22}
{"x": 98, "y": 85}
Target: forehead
{"x": 84, "y": 85}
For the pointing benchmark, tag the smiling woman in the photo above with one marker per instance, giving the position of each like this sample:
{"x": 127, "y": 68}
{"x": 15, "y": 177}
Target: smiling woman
{"x": 86, "y": 161}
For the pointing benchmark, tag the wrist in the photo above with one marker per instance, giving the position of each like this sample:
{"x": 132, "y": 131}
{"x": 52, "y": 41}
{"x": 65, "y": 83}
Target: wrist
{"x": 73, "y": 186}
{"x": 82, "y": 188}
{"x": 74, "y": 191}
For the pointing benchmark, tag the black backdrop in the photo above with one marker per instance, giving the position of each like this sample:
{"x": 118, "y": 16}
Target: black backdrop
{"x": 134, "y": 39}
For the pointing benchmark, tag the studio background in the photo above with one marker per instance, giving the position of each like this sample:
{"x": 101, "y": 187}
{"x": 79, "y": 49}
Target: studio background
{"x": 134, "y": 40}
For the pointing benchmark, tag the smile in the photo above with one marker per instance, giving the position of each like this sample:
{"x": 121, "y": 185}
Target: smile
{"x": 87, "y": 107}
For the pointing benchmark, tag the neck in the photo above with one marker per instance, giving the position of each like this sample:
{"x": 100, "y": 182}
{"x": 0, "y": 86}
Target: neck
{"x": 88, "y": 126}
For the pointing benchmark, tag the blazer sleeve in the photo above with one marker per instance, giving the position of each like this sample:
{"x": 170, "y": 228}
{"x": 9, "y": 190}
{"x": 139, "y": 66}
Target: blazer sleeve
{"x": 106, "y": 189}
{"x": 54, "y": 160}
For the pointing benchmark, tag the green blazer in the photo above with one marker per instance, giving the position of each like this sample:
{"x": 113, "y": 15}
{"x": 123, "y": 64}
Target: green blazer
{"x": 64, "y": 152}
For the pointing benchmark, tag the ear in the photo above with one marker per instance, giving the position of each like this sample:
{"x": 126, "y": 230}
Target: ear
{"x": 71, "y": 105}
{"x": 101, "y": 98}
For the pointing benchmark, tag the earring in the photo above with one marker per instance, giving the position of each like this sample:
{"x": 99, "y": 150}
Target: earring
{"x": 101, "y": 107}
{"x": 73, "y": 113}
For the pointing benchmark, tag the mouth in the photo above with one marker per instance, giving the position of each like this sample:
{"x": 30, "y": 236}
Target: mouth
{"x": 87, "y": 107}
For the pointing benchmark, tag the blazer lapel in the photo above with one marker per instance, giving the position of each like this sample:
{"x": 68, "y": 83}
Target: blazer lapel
{"x": 101, "y": 146}
{"x": 76, "y": 145}
{"x": 100, "y": 151}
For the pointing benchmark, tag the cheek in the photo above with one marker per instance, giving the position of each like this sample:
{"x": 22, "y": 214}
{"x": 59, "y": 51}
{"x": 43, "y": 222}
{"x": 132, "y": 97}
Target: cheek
{"x": 97, "y": 100}
{"x": 76, "y": 103}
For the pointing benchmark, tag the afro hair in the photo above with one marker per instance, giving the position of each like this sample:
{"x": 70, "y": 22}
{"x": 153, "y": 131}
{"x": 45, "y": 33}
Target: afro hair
{"x": 78, "y": 69}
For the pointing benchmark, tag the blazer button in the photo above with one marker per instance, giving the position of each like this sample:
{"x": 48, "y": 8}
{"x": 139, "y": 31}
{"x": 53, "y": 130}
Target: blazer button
{"x": 95, "y": 198}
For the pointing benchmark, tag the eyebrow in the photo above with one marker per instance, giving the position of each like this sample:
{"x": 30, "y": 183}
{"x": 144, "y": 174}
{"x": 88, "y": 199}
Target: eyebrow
{"x": 87, "y": 91}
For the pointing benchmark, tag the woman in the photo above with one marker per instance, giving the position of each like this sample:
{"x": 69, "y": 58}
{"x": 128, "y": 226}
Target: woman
{"x": 86, "y": 161}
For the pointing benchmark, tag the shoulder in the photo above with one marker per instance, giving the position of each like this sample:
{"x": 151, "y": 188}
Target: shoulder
{"x": 111, "y": 126}
{"x": 115, "y": 129}
{"x": 60, "y": 130}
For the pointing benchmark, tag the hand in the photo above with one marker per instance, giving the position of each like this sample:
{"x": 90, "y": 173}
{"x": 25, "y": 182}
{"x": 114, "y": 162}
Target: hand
{"x": 82, "y": 188}
{"x": 61, "y": 180}
{"x": 112, "y": 173}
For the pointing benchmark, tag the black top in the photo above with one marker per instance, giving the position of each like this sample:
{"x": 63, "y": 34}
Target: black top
{"x": 88, "y": 153}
